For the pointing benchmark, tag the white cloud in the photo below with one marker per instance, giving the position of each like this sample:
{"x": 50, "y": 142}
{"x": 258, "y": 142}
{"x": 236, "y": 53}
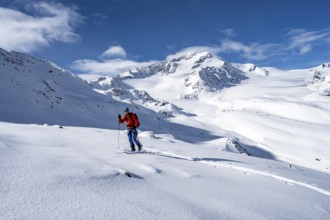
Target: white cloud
{"x": 305, "y": 49}
{"x": 304, "y": 41}
{"x": 45, "y": 23}
{"x": 254, "y": 51}
{"x": 110, "y": 67}
{"x": 114, "y": 51}
{"x": 251, "y": 52}
{"x": 229, "y": 32}
{"x": 299, "y": 41}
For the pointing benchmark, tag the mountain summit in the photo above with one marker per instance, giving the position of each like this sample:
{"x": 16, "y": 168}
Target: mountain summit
{"x": 191, "y": 73}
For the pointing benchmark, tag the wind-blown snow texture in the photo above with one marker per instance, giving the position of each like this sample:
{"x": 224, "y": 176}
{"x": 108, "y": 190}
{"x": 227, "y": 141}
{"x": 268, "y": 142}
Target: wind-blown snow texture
{"x": 221, "y": 141}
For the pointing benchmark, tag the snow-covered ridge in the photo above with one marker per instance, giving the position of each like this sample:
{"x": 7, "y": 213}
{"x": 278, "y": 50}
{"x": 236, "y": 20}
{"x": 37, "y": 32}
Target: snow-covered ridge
{"x": 37, "y": 91}
{"x": 320, "y": 81}
{"x": 325, "y": 65}
{"x": 119, "y": 90}
{"x": 211, "y": 79}
{"x": 197, "y": 72}
{"x": 252, "y": 68}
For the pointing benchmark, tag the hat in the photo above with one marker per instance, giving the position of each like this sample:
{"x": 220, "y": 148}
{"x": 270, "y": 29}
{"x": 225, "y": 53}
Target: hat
{"x": 126, "y": 110}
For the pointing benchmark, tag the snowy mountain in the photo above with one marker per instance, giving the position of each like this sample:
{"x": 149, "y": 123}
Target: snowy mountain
{"x": 199, "y": 72}
{"x": 252, "y": 68}
{"x": 120, "y": 91}
{"x": 37, "y": 91}
{"x": 221, "y": 141}
{"x": 320, "y": 81}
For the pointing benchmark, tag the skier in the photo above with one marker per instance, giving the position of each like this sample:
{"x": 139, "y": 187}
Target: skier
{"x": 132, "y": 123}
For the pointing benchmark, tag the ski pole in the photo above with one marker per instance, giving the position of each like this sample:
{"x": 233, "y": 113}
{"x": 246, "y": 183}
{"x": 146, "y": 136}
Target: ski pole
{"x": 118, "y": 146}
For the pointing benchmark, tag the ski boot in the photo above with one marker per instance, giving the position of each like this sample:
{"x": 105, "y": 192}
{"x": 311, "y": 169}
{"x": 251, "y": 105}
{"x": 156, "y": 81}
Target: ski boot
{"x": 140, "y": 146}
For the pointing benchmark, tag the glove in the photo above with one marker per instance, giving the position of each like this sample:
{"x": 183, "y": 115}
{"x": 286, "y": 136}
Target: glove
{"x": 119, "y": 116}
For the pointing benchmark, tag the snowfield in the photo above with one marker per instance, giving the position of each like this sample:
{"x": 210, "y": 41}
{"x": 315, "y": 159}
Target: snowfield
{"x": 78, "y": 173}
{"x": 221, "y": 141}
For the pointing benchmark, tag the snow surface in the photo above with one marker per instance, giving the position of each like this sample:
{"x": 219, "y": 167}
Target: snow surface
{"x": 78, "y": 173}
{"x": 221, "y": 141}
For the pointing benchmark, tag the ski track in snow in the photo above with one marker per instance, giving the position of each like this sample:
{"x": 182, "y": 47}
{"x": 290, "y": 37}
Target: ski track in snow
{"x": 239, "y": 168}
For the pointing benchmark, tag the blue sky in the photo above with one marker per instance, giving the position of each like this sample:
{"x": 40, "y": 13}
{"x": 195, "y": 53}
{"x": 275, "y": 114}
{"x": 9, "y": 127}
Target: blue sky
{"x": 108, "y": 36}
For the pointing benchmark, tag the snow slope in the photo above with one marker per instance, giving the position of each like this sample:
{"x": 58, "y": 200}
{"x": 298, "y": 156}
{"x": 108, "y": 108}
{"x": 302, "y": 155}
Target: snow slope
{"x": 81, "y": 175}
{"x": 37, "y": 91}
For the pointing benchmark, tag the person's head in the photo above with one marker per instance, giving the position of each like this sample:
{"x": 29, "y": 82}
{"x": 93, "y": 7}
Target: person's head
{"x": 126, "y": 110}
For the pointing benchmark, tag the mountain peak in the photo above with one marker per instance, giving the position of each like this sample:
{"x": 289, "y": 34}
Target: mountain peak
{"x": 192, "y": 72}
{"x": 252, "y": 68}
{"x": 325, "y": 65}
{"x": 190, "y": 55}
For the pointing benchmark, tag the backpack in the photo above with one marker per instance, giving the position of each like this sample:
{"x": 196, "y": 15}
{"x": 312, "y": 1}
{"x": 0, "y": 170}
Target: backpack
{"x": 135, "y": 119}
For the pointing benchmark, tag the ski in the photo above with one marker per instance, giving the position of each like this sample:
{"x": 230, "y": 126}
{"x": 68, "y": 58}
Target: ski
{"x": 126, "y": 151}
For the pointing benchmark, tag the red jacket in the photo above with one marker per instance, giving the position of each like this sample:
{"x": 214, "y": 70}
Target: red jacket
{"x": 129, "y": 121}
